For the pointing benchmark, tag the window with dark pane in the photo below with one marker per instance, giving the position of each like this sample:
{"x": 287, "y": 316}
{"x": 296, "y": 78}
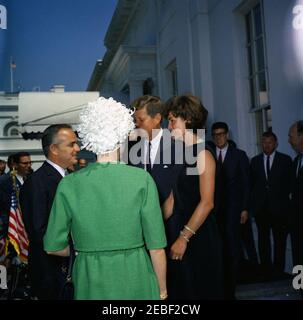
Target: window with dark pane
{"x": 257, "y": 70}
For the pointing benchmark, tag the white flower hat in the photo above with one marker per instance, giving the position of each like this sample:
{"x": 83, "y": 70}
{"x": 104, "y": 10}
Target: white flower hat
{"x": 104, "y": 125}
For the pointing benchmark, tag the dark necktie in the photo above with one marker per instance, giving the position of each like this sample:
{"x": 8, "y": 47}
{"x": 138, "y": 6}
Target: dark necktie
{"x": 267, "y": 166}
{"x": 299, "y": 166}
{"x": 220, "y": 160}
{"x": 148, "y": 161}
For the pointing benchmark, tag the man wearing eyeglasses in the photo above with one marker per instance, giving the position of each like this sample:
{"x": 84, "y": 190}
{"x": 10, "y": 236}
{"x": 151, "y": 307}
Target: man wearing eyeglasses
{"x": 232, "y": 195}
{"x": 22, "y": 166}
{"x": 9, "y": 183}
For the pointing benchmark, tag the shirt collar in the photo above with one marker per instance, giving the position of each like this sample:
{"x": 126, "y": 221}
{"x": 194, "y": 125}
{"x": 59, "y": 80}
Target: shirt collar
{"x": 156, "y": 140}
{"x": 223, "y": 150}
{"x": 57, "y": 167}
{"x": 20, "y": 179}
{"x": 271, "y": 156}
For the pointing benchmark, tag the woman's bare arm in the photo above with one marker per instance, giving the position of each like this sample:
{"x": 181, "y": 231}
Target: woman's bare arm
{"x": 167, "y": 207}
{"x": 206, "y": 167}
{"x": 158, "y": 258}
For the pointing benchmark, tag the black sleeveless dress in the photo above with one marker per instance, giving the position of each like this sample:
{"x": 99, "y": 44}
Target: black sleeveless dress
{"x": 199, "y": 274}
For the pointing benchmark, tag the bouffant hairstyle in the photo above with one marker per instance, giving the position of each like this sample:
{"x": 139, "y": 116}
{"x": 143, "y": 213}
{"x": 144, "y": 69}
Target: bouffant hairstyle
{"x": 189, "y": 108}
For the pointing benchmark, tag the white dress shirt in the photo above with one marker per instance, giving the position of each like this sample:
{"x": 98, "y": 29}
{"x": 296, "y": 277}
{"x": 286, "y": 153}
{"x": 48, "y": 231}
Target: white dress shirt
{"x": 155, "y": 143}
{"x": 271, "y": 160}
{"x": 55, "y": 166}
{"x": 223, "y": 152}
{"x": 20, "y": 179}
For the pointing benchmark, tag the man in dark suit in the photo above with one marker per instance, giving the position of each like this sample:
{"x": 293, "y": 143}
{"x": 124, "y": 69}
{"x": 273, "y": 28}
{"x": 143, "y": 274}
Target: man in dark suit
{"x": 232, "y": 195}
{"x": 2, "y": 167}
{"x": 60, "y": 147}
{"x": 22, "y": 165}
{"x": 296, "y": 140}
{"x": 270, "y": 191}
{"x": 157, "y": 152}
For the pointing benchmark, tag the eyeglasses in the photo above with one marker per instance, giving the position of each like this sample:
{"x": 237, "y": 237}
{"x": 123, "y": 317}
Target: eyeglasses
{"x": 26, "y": 163}
{"x": 219, "y": 134}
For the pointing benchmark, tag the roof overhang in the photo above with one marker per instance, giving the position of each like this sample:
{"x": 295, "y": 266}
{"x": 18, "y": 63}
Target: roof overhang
{"x": 46, "y": 108}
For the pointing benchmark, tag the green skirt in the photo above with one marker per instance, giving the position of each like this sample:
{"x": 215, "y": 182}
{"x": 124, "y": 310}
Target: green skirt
{"x": 115, "y": 275}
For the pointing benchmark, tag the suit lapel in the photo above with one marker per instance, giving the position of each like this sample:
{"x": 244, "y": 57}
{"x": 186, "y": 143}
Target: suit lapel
{"x": 274, "y": 165}
{"x": 160, "y": 162}
{"x": 300, "y": 172}
{"x": 228, "y": 157}
{"x": 157, "y": 163}
{"x": 52, "y": 172}
{"x": 140, "y": 153}
{"x": 261, "y": 165}
{"x": 18, "y": 183}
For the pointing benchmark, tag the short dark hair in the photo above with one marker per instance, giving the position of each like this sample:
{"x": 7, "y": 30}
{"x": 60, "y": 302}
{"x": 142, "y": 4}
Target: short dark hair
{"x": 219, "y": 125}
{"x": 50, "y": 134}
{"x": 188, "y": 107}
{"x": 269, "y": 134}
{"x": 300, "y": 127}
{"x": 153, "y": 105}
{"x": 11, "y": 159}
{"x": 19, "y": 155}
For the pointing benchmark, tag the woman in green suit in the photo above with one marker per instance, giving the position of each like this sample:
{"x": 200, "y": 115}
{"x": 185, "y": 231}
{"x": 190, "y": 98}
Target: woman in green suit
{"x": 112, "y": 212}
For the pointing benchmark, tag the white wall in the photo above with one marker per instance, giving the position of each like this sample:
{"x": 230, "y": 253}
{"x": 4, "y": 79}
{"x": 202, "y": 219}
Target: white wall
{"x": 174, "y": 42}
{"x": 286, "y": 90}
{"x": 223, "y": 68}
{"x": 207, "y": 40}
{"x": 142, "y": 29}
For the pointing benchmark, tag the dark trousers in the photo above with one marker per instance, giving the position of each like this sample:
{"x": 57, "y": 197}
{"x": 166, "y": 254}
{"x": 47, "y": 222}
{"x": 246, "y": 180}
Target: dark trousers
{"x": 248, "y": 242}
{"x": 45, "y": 274}
{"x": 230, "y": 232}
{"x": 266, "y": 223}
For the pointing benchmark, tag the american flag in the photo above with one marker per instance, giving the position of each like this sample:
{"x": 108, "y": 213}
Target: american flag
{"x": 2, "y": 248}
{"x": 16, "y": 232}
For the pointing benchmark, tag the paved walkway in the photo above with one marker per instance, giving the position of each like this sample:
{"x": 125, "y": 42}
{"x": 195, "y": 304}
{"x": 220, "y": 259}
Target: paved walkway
{"x": 276, "y": 290}
{"x": 270, "y": 290}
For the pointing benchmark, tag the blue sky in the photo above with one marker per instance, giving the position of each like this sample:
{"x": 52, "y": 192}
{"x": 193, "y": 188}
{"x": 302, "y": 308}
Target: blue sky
{"x": 53, "y": 42}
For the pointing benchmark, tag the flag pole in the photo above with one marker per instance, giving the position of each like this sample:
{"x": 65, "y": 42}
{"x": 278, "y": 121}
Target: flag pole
{"x": 12, "y": 77}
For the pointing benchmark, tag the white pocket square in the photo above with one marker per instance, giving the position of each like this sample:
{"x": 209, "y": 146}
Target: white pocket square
{"x": 165, "y": 167}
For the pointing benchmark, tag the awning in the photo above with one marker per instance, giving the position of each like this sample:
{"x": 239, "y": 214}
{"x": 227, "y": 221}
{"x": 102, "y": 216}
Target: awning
{"x": 46, "y": 108}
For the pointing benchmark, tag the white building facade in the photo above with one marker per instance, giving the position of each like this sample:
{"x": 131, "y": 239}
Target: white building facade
{"x": 240, "y": 57}
{"x": 11, "y": 140}
{"x": 32, "y": 112}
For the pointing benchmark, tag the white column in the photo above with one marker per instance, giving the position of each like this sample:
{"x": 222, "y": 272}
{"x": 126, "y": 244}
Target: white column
{"x": 135, "y": 89}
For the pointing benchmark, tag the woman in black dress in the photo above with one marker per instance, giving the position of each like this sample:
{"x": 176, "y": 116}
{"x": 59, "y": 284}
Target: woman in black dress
{"x": 194, "y": 246}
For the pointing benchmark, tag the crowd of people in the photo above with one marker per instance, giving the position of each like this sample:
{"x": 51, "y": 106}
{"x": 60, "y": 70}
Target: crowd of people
{"x": 146, "y": 220}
